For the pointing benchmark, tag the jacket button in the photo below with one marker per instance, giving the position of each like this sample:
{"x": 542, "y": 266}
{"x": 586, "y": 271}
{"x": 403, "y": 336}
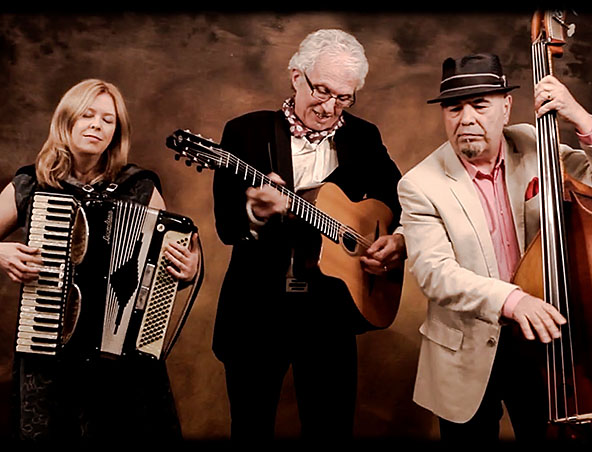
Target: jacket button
{"x": 491, "y": 341}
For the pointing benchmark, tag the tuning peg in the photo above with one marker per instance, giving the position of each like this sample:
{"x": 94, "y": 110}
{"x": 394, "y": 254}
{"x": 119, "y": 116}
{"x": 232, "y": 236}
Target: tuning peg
{"x": 571, "y": 28}
{"x": 177, "y": 157}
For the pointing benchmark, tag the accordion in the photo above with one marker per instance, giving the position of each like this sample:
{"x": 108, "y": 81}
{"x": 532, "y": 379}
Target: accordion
{"x": 116, "y": 299}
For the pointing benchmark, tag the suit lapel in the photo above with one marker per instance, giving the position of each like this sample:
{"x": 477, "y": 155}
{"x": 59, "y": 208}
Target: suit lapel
{"x": 463, "y": 190}
{"x": 283, "y": 149}
{"x": 341, "y": 145}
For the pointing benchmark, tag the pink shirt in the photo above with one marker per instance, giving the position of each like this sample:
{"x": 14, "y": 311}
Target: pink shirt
{"x": 492, "y": 192}
{"x": 493, "y": 195}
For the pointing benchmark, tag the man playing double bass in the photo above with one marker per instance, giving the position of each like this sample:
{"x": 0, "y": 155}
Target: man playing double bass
{"x": 470, "y": 209}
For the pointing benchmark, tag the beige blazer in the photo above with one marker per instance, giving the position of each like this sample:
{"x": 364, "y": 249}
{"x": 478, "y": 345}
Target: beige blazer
{"x": 452, "y": 257}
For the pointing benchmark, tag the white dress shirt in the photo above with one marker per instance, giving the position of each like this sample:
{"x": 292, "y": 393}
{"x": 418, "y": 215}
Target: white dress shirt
{"x": 312, "y": 162}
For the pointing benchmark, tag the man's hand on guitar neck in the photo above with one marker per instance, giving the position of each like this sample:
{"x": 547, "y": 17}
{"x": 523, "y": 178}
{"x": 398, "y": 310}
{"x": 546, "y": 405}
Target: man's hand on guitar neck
{"x": 386, "y": 253}
{"x": 264, "y": 202}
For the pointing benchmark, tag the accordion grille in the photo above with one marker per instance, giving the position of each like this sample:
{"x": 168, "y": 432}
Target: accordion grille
{"x": 159, "y": 306}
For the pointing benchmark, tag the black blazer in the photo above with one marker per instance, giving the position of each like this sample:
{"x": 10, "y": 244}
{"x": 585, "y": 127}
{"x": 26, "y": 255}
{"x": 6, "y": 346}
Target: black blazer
{"x": 248, "y": 309}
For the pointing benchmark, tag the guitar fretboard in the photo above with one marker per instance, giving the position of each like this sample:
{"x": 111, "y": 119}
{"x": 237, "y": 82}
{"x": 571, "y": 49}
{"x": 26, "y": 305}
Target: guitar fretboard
{"x": 331, "y": 228}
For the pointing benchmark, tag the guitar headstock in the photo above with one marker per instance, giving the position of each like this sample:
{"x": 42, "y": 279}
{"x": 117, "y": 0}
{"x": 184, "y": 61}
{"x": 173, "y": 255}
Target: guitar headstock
{"x": 194, "y": 148}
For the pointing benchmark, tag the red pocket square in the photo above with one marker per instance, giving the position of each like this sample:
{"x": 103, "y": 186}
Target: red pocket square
{"x": 533, "y": 189}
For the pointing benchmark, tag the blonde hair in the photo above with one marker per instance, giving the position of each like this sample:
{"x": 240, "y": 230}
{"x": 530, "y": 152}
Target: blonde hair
{"x": 54, "y": 161}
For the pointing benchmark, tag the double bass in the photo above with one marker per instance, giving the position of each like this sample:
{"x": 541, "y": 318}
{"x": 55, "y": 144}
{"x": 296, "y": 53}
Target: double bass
{"x": 557, "y": 266}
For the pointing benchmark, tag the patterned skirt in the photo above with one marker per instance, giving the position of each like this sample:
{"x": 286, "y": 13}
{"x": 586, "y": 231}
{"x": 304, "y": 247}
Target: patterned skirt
{"x": 129, "y": 400}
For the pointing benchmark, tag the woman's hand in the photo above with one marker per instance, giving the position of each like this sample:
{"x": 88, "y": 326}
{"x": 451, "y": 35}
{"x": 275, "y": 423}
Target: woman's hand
{"x": 20, "y": 262}
{"x": 185, "y": 261}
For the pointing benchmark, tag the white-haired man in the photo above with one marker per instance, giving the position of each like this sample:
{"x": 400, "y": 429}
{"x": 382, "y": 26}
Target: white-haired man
{"x": 265, "y": 323}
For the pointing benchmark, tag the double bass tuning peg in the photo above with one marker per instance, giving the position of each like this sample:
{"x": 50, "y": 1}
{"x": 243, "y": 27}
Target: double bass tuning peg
{"x": 570, "y": 28}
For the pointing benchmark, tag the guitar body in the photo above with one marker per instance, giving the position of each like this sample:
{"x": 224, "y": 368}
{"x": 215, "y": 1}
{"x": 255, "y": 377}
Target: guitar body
{"x": 376, "y": 297}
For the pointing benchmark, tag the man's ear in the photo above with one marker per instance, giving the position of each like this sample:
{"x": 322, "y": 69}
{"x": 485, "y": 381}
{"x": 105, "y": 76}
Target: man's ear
{"x": 507, "y": 109}
{"x": 294, "y": 76}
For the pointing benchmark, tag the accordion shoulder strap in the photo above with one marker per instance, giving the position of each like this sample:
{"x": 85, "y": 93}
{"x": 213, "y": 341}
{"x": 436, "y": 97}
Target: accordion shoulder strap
{"x": 131, "y": 173}
{"x": 132, "y": 183}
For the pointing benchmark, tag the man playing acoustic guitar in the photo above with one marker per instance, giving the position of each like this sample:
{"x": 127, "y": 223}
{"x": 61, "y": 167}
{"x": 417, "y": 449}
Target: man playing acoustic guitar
{"x": 277, "y": 308}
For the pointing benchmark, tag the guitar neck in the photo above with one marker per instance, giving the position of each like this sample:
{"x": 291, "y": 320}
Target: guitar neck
{"x": 208, "y": 154}
{"x": 297, "y": 205}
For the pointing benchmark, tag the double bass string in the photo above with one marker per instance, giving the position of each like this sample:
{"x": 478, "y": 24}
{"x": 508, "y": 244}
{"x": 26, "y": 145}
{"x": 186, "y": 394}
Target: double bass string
{"x": 554, "y": 251}
{"x": 542, "y": 125}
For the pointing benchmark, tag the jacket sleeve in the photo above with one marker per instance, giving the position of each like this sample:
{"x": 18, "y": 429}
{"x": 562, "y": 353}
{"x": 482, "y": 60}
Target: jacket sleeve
{"x": 366, "y": 169}
{"x": 434, "y": 262}
{"x": 250, "y": 139}
{"x": 578, "y": 163}
{"x": 386, "y": 177}
{"x": 232, "y": 223}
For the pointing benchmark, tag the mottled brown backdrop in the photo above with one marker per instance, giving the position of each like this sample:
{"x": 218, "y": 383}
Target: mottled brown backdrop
{"x": 197, "y": 69}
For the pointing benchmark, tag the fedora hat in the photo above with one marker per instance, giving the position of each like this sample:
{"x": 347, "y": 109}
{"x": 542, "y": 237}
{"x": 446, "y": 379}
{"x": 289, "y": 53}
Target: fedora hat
{"x": 471, "y": 75}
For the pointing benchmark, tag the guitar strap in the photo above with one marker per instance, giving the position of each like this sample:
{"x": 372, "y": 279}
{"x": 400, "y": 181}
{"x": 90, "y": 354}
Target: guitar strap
{"x": 283, "y": 167}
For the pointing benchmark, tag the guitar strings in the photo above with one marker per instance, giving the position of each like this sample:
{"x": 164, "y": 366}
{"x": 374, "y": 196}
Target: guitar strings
{"x": 298, "y": 205}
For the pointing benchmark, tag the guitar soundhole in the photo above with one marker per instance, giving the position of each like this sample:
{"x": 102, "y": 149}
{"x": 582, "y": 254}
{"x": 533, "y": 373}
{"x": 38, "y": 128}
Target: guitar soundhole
{"x": 349, "y": 242}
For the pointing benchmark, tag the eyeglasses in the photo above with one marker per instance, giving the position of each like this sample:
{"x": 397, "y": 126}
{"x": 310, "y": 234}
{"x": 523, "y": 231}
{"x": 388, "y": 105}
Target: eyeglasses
{"x": 323, "y": 94}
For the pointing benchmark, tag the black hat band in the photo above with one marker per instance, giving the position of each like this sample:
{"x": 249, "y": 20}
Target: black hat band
{"x": 469, "y": 81}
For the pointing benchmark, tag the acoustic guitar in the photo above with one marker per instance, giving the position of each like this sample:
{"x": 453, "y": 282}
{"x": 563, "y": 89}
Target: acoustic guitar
{"x": 347, "y": 228}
